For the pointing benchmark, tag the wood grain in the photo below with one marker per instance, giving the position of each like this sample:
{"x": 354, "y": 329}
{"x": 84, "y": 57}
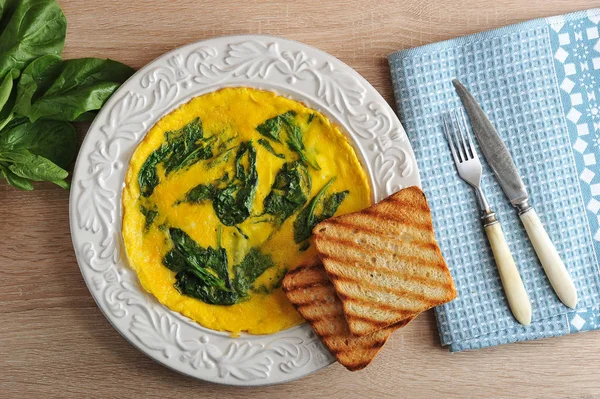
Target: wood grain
{"x": 55, "y": 343}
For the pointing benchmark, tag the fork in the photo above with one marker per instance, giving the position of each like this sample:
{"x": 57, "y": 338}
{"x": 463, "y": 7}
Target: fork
{"x": 469, "y": 169}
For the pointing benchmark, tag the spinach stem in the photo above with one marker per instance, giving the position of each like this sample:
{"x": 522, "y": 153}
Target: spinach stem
{"x": 317, "y": 198}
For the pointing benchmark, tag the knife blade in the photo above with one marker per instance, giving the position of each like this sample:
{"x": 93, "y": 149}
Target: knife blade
{"x": 493, "y": 148}
{"x": 499, "y": 159}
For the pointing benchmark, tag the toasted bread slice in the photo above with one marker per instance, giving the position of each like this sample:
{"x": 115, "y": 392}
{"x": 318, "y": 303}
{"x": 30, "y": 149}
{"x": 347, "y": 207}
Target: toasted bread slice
{"x": 308, "y": 288}
{"x": 384, "y": 262}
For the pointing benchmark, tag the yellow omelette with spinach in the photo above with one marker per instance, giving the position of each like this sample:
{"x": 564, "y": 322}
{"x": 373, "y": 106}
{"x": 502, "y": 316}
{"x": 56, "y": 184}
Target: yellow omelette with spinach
{"x": 220, "y": 200}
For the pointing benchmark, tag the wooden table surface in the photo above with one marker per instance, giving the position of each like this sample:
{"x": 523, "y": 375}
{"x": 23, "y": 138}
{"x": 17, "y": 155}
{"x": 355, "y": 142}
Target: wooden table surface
{"x": 54, "y": 341}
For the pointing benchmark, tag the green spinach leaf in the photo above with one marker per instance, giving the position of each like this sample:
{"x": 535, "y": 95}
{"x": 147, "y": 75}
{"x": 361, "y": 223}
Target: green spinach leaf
{"x": 200, "y": 193}
{"x": 69, "y": 91}
{"x": 331, "y": 204}
{"x": 220, "y": 158}
{"x": 7, "y": 97}
{"x": 201, "y": 272}
{"x": 56, "y": 141}
{"x": 14, "y": 180}
{"x": 274, "y": 283}
{"x": 295, "y": 143}
{"x": 35, "y": 80}
{"x": 289, "y": 191}
{"x": 149, "y": 215}
{"x": 252, "y": 266}
{"x": 36, "y": 86}
{"x": 29, "y": 29}
{"x": 272, "y": 127}
{"x": 33, "y": 167}
{"x": 270, "y": 148}
{"x": 148, "y": 175}
{"x": 187, "y": 146}
{"x": 190, "y": 284}
{"x": 234, "y": 203}
{"x": 6, "y": 86}
{"x": 308, "y": 218}
{"x": 181, "y": 149}
{"x": 232, "y": 200}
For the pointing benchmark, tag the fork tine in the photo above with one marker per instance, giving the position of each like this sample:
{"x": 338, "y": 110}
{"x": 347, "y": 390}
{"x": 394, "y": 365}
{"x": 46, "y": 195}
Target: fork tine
{"x": 455, "y": 136}
{"x": 462, "y": 133}
{"x": 471, "y": 146}
{"x": 448, "y": 133}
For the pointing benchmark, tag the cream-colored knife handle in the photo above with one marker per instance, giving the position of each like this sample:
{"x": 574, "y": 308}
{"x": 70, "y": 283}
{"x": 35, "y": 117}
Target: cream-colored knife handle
{"x": 511, "y": 279}
{"x": 553, "y": 266}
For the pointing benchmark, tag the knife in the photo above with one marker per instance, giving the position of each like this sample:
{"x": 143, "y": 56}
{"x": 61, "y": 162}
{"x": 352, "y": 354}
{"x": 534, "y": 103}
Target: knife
{"x": 500, "y": 160}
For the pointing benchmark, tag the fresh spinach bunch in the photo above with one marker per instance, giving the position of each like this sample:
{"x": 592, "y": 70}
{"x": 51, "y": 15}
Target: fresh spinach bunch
{"x": 40, "y": 93}
{"x": 308, "y": 218}
{"x": 202, "y": 273}
{"x": 271, "y": 128}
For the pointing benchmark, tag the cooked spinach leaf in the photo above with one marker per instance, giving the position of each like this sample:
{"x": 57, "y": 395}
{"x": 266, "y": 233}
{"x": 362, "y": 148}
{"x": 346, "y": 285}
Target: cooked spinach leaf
{"x": 308, "y": 218}
{"x": 232, "y": 200}
{"x": 274, "y": 283}
{"x": 181, "y": 149}
{"x": 187, "y": 146}
{"x": 149, "y": 214}
{"x": 254, "y": 264}
{"x": 295, "y": 143}
{"x": 270, "y": 148}
{"x": 289, "y": 191}
{"x": 220, "y": 158}
{"x": 234, "y": 203}
{"x": 201, "y": 272}
{"x": 191, "y": 285}
{"x": 310, "y": 118}
{"x": 199, "y": 259}
{"x": 148, "y": 175}
{"x": 272, "y": 127}
{"x": 200, "y": 193}
{"x": 331, "y": 204}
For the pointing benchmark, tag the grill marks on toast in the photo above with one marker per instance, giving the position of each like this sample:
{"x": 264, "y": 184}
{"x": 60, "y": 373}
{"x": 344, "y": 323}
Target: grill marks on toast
{"x": 308, "y": 288}
{"x": 384, "y": 262}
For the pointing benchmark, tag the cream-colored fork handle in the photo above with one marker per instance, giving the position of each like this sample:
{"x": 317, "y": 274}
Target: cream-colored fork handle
{"x": 550, "y": 259}
{"x": 518, "y": 300}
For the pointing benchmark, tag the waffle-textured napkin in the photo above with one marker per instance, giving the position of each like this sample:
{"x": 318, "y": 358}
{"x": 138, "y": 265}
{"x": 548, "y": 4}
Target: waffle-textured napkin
{"x": 539, "y": 83}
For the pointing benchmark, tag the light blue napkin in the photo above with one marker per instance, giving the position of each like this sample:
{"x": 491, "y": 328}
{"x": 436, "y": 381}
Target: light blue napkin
{"x": 539, "y": 83}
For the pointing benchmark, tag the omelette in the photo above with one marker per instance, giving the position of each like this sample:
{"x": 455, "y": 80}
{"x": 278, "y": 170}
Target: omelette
{"x": 220, "y": 200}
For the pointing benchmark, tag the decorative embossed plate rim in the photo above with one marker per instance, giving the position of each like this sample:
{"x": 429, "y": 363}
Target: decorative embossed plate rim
{"x": 284, "y": 66}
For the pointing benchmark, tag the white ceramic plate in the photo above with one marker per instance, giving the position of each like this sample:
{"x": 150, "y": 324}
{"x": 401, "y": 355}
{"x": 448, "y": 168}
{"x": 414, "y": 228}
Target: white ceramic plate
{"x": 286, "y": 67}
